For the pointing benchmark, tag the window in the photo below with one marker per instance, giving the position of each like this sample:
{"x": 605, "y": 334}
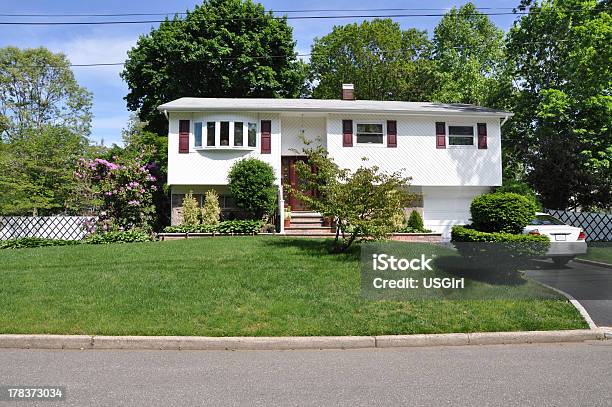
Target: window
{"x": 210, "y": 134}
{"x": 238, "y": 133}
{"x": 224, "y": 134}
{"x": 369, "y": 133}
{"x": 460, "y": 135}
{"x": 252, "y": 134}
{"x": 197, "y": 130}
{"x": 541, "y": 220}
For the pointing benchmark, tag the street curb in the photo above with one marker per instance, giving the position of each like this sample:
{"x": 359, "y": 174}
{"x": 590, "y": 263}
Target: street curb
{"x": 574, "y": 302}
{"x": 593, "y": 263}
{"x": 294, "y": 342}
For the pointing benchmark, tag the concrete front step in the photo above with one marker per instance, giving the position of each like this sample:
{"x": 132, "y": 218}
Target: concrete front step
{"x": 298, "y": 232}
{"x": 305, "y": 214}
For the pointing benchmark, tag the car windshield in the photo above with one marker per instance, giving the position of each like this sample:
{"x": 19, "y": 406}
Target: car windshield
{"x": 546, "y": 220}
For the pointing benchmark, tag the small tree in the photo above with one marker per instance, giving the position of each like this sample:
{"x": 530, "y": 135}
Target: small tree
{"x": 191, "y": 211}
{"x": 415, "y": 221}
{"x": 251, "y": 183}
{"x": 363, "y": 202}
{"x": 211, "y": 209}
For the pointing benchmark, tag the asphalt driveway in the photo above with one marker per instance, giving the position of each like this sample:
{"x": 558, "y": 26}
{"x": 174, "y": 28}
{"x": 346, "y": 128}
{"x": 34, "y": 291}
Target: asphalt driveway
{"x": 590, "y": 285}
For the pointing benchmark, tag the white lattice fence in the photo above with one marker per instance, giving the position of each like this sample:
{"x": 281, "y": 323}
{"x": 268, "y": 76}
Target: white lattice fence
{"x": 50, "y": 227}
{"x": 597, "y": 226}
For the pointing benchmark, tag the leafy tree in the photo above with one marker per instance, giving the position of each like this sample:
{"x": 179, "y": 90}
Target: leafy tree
{"x": 37, "y": 172}
{"x": 251, "y": 183}
{"x": 560, "y": 54}
{"x": 469, "y": 56}
{"x": 363, "y": 202}
{"x": 37, "y": 89}
{"x": 384, "y": 62}
{"x": 223, "y": 48}
{"x": 211, "y": 209}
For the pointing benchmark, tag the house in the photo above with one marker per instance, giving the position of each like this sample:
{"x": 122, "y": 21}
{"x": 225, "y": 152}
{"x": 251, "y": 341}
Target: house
{"x": 451, "y": 151}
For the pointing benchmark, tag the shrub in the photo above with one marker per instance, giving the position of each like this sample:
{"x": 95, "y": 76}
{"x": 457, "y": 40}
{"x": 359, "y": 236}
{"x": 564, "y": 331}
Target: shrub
{"x": 226, "y": 227}
{"x": 211, "y": 209}
{"x": 191, "y": 210}
{"x": 122, "y": 190}
{"x": 239, "y": 226}
{"x": 128, "y": 236}
{"x": 251, "y": 183}
{"x": 496, "y": 255}
{"x": 26, "y": 242}
{"x": 415, "y": 221}
{"x": 502, "y": 212}
{"x": 467, "y": 234}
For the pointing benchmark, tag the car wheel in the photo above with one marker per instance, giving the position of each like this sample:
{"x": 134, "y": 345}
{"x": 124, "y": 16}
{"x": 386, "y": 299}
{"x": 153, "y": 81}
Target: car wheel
{"x": 561, "y": 261}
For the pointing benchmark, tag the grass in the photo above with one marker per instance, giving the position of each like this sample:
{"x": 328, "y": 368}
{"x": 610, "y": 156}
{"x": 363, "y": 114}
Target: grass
{"x": 226, "y": 286}
{"x": 599, "y": 252}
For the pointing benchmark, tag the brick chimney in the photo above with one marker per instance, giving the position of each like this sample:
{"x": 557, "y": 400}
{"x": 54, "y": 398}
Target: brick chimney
{"x": 348, "y": 91}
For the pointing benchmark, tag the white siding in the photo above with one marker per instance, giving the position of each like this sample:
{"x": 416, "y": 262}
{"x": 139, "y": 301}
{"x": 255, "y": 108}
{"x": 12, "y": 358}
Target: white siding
{"x": 417, "y": 154}
{"x": 293, "y": 127}
{"x": 444, "y": 207}
{"x": 210, "y": 167}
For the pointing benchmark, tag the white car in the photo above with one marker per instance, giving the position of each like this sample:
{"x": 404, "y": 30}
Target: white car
{"x": 566, "y": 242}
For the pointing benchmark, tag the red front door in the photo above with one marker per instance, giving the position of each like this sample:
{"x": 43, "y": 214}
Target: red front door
{"x": 290, "y": 178}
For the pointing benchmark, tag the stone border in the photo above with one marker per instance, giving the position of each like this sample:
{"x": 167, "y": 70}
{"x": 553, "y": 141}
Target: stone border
{"x": 593, "y": 263}
{"x": 17, "y": 341}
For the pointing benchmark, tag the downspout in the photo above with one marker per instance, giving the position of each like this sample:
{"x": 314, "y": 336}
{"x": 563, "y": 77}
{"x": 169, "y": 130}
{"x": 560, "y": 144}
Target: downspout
{"x": 166, "y": 114}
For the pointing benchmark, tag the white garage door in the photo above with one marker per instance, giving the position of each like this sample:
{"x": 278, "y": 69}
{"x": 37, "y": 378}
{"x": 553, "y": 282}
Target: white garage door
{"x": 444, "y": 207}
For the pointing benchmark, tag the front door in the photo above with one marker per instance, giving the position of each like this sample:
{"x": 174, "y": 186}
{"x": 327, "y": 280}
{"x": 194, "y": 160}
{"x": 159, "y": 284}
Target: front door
{"x": 290, "y": 178}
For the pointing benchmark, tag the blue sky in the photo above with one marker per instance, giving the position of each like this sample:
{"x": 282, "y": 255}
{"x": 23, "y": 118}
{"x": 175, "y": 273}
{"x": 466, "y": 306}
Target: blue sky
{"x": 102, "y": 44}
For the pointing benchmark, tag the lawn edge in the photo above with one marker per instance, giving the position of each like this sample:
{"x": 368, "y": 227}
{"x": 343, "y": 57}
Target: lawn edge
{"x": 82, "y": 342}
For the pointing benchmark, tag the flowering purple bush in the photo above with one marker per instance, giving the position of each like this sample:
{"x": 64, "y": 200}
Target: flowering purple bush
{"x": 122, "y": 191}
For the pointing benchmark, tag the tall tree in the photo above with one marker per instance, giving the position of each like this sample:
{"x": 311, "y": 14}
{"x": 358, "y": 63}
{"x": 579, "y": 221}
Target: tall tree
{"x": 469, "y": 55}
{"x": 37, "y": 172}
{"x": 223, "y": 48}
{"x": 384, "y": 62}
{"x": 560, "y": 54}
{"x": 37, "y": 88}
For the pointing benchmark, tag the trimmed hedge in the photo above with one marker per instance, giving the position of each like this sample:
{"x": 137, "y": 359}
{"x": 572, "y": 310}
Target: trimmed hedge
{"x": 223, "y": 228}
{"x": 467, "y": 234}
{"x": 128, "y": 236}
{"x": 502, "y": 212}
{"x": 26, "y": 242}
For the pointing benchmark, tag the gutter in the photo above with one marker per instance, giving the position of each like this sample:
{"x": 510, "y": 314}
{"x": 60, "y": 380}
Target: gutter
{"x": 505, "y": 119}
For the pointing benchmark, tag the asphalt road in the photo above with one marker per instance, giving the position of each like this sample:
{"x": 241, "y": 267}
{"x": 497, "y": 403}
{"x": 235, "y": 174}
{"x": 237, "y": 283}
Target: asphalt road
{"x": 590, "y": 285}
{"x": 509, "y": 375}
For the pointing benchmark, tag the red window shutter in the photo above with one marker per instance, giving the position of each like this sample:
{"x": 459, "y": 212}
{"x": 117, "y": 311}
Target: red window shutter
{"x": 347, "y": 133}
{"x": 183, "y": 136}
{"x": 440, "y": 135}
{"x": 482, "y": 135}
{"x": 391, "y": 133}
{"x": 266, "y": 137}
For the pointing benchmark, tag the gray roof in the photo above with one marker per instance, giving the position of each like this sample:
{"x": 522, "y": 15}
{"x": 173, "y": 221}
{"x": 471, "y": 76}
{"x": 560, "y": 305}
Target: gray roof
{"x": 325, "y": 106}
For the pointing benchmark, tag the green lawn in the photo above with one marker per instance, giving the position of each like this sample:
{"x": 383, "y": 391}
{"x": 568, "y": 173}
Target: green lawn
{"x": 599, "y": 252}
{"x": 252, "y": 286}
